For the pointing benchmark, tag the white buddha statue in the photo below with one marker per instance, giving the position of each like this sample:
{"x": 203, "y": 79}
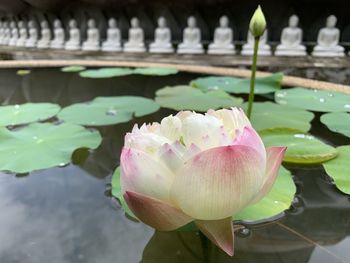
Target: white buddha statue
{"x": 14, "y": 34}
{"x": 223, "y": 37}
{"x": 74, "y": 36}
{"x": 162, "y": 38}
{"x": 92, "y": 42}
{"x": 7, "y": 34}
{"x": 328, "y": 40}
{"x": 136, "y": 38}
{"x": 264, "y": 48}
{"x": 58, "y": 35}
{"x": 191, "y": 43}
{"x": 291, "y": 39}
{"x": 45, "y": 39}
{"x": 33, "y": 35}
{"x": 113, "y": 41}
{"x": 23, "y": 34}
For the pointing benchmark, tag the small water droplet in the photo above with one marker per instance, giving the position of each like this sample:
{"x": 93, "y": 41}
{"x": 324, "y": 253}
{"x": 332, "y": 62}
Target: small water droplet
{"x": 111, "y": 112}
{"x": 315, "y": 90}
{"x": 62, "y": 164}
{"x": 347, "y": 106}
{"x": 213, "y": 88}
{"x": 281, "y": 94}
{"x": 282, "y": 102}
{"x": 275, "y": 202}
{"x": 35, "y": 137}
{"x": 330, "y": 95}
{"x": 227, "y": 83}
{"x": 17, "y": 106}
{"x": 322, "y": 100}
{"x": 244, "y": 232}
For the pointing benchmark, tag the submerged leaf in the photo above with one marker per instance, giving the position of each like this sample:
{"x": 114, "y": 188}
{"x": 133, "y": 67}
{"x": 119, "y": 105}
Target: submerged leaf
{"x": 236, "y": 85}
{"x": 189, "y": 98}
{"x": 27, "y": 113}
{"x": 301, "y": 148}
{"x": 108, "y": 110}
{"x": 315, "y": 100}
{"x": 274, "y": 203}
{"x": 43, "y": 145}
{"x": 267, "y": 115}
{"x": 339, "y": 169}
{"x": 337, "y": 122}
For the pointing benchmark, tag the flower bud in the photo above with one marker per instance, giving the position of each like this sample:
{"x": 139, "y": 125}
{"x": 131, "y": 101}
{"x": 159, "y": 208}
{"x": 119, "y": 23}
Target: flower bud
{"x": 257, "y": 24}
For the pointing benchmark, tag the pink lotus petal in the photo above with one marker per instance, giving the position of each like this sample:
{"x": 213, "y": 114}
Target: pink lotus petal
{"x": 249, "y": 137}
{"x": 218, "y": 182}
{"x": 156, "y": 213}
{"x": 274, "y": 159}
{"x": 142, "y": 173}
{"x": 220, "y": 232}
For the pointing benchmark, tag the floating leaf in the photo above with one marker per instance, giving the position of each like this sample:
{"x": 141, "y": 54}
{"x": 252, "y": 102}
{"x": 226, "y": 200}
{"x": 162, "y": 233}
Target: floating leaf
{"x": 274, "y": 203}
{"x": 236, "y": 85}
{"x": 302, "y": 148}
{"x": 268, "y": 115}
{"x": 23, "y": 72}
{"x": 155, "y": 71}
{"x": 27, "y": 113}
{"x": 339, "y": 169}
{"x": 108, "y": 110}
{"x": 43, "y": 145}
{"x": 116, "y": 192}
{"x": 315, "y": 100}
{"x": 189, "y": 98}
{"x": 73, "y": 69}
{"x": 105, "y": 73}
{"x": 337, "y": 122}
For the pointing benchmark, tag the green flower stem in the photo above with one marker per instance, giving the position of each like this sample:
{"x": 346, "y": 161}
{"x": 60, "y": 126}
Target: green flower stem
{"x": 205, "y": 247}
{"x": 252, "y": 78}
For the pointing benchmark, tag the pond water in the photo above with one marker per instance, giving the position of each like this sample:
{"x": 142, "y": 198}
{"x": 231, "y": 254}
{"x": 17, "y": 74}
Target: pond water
{"x": 67, "y": 215}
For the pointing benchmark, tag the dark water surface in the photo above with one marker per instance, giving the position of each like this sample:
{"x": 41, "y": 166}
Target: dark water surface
{"x": 66, "y": 215}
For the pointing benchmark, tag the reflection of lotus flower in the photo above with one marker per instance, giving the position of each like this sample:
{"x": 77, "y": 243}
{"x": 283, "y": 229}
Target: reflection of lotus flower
{"x": 194, "y": 167}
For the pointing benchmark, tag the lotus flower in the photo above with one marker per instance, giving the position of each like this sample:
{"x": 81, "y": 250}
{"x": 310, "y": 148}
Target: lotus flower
{"x": 195, "y": 167}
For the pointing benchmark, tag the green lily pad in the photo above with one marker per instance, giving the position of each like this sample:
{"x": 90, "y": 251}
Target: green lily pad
{"x": 105, "y": 73}
{"x": 236, "y": 85}
{"x": 315, "y": 100}
{"x": 189, "y": 98}
{"x": 116, "y": 192}
{"x": 108, "y": 110}
{"x": 27, "y": 113}
{"x": 274, "y": 203}
{"x": 43, "y": 145}
{"x": 337, "y": 122}
{"x": 339, "y": 169}
{"x": 73, "y": 69}
{"x": 152, "y": 71}
{"x": 267, "y": 115}
{"x": 23, "y": 72}
{"x": 302, "y": 148}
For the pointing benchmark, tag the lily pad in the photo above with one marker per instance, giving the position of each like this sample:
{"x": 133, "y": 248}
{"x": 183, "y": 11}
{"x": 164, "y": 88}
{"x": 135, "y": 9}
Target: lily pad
{"x": 339, "y": 169}
{"x": 237, "y": 85}
{"x": 189, "y": 98}
{"x": 105, "y": 73}
{"x": 27, "y": 113}
{"x": 302, "y": 148}
{"x": 337, "y": 122}
{"x": 315, "y": 100}
{"x": 43, "y": 145}
{"x": 108, "y": 110}
{"x": 274, "y": 203}
{"x": 73, "y": 69}
{"x": 152, "y": 71}
{"x": 116, "y": 192}
{"x": 268, "y": 115}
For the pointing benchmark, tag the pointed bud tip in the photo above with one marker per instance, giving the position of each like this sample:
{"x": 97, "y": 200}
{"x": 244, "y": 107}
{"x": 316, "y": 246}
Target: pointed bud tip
{"x": 257, "y": 24}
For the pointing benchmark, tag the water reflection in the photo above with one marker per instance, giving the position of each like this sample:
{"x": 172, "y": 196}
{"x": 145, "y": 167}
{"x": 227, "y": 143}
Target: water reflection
{"x": 62, "y": 215}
